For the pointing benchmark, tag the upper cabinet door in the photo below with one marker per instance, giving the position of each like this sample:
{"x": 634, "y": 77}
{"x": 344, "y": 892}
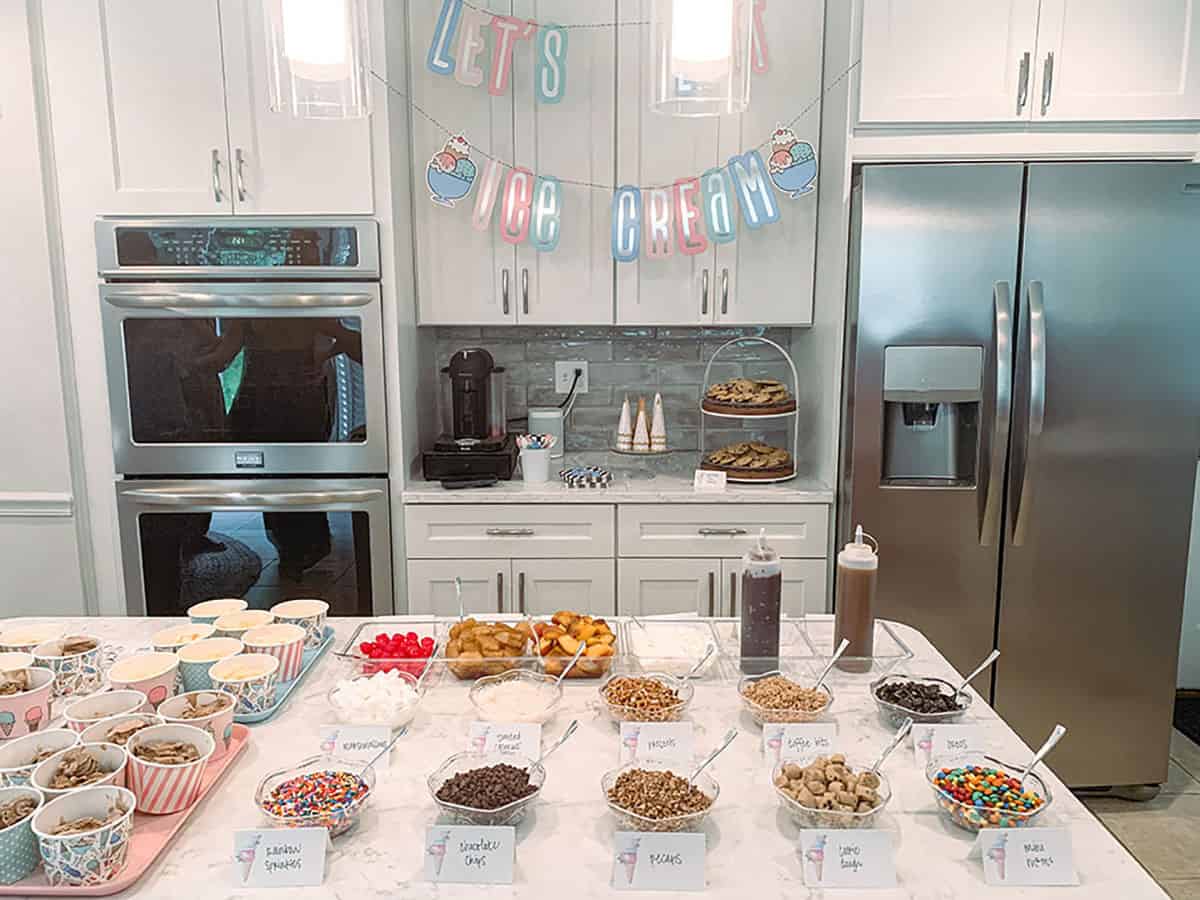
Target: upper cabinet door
{"x": 570, "y": 139}
{"x": 282, "y": 165}
{"x": 947, "y": 60}
{"x": 654, "y": 149}
{"x": 156, "y": 108}
{"x": 1117, "y": 60}
{"x": 765, "y": 276}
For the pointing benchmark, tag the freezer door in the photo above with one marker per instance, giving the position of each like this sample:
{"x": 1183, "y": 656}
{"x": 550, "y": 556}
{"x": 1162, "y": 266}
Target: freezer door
{"x": 1103, "y": 460}
{"x": 936, "y": 267}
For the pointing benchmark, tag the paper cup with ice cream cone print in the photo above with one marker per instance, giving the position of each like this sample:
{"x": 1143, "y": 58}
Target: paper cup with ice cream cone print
{"x": 190, "y": 709}
{"x": 18, "y": 758}
{"x": 285, "y": 642}
{"x": 251, "y": 677}
{"x": 26, "y": 711}
{"x": 110, "y": 758}
{"x": 162, "y": 788}
{"x": 235, "y": 625}
{"x": 308, "y": 613}
{"x": 154, "y": 674}
{"x": 209, "y": 611}
{"x": 75, "y": 660}
{"x": 87, "y": 858}
{"x": 87, "y": 712}
{"x": 22, "y": 638}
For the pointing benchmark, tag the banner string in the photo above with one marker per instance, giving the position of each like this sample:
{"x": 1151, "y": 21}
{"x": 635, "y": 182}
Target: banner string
{"x": 592, "y": 184}
{"x": 490, "y": 12}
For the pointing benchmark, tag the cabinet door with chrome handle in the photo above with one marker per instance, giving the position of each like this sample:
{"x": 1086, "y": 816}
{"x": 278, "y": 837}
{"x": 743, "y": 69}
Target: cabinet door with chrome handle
{"x": 545, "y": 586}
{"x": 431, "y": 587}
{"x": 1023, "y": 82}
{"x": 649, "y": 587}
{"x": 217, "y": 186}
{"x": 1047, "y": 81}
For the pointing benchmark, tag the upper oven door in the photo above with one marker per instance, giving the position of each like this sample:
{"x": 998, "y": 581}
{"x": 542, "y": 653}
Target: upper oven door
{"x": 268, "y": 378}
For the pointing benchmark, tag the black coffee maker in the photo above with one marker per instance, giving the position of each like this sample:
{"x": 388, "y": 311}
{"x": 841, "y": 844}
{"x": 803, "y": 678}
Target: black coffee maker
{"x": 475, "y": 443}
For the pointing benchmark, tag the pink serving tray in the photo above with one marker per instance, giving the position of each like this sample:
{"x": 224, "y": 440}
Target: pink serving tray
{"x": 151, "y": 836}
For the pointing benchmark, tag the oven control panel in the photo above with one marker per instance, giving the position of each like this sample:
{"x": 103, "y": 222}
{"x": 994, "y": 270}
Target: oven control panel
{"x": 240, "y": 247}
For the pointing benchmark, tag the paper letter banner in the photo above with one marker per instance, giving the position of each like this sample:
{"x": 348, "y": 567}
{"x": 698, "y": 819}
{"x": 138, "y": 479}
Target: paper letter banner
{"x": 753, "y": 189}
{"x": 550, "y": 74}
{"x": 471, "y": 43}
{"x": 514, "y": 211}
{"x": 658, "y": 222}
{"x": 508, "y": 31}
{"x": 547, "y": 214}
{"x": 760, "y": 61}
{"x": 687, "y": 217}
{"x": 717, "y": 193}
{"x": 626, "y": 223}
{"x": 485, "y": 197}
{"x": 439, "y": 60}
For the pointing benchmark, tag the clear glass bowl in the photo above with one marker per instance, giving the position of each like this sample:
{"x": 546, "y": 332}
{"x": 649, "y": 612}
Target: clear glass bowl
{"x": 684, "y": 689}
{"x": 631, "y": 821}
{"x": 763, "y": 715}
{"x": 554, "y": 693}
{"x": 397, "y": 718}
{"x": 335, "y": 823}
{"x": 510, "y": 813}
{"x": 805, "y": 817}
{"x": 973, "y": 818}
{"x": 893, "y": 715}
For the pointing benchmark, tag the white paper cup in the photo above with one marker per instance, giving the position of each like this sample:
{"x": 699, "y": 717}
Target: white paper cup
{"x": 235, "y": 625}
{"x": 308, "y": 613}
{"x": 251, "y": 677}
{"x": 98, "y": 733}
{"x": 163, "y": 789}
{"x": 87, "y": 712}
{"x": 209, "y": 611}
{"x": 92, "y": 857}
{"x": 154, "y": 674}
{"x": 219, "y": 724}
{"x": 535, "y": 466}
{"x": 168, "y": 640}
{"x": 112, "y": 759}
{"x": 16, "y": 757}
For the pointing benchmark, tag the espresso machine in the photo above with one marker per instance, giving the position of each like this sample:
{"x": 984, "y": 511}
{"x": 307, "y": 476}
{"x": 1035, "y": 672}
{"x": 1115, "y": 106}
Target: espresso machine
{"x": 475, "y": 445}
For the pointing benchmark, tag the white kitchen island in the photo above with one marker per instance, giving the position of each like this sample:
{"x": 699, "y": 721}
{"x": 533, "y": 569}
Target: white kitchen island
{"x": 564, "y": 847}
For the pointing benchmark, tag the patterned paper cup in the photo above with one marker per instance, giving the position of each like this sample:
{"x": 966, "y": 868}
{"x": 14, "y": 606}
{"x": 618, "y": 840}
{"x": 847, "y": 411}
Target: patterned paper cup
{"x": 111, "y": 758}
{"x": 251, "y": 677}
{"x": 28, "y": 711}
{"x": 209, "y": 611}
{"x": 285, "y": 642}
{"x": 74, "y": 673}
{"x": 19, "y": 758}
{"x": 15, "y": 659}
{"x": 162, "y": 789}
{"x": 23, "y": 638}
{"x": 309, "y": 614}
{"x": 154, "y": 674}
{"x": 196, "y": 659}
{"x": 91, "y": 857}
{"x": 18, "y": 845}
{"x": 219, "y": 725}
{"x": 235, "y": 625}
{"x": 101, "y": 732}
{"x": 169, "y": 640}
{"x": 87, "y": 712}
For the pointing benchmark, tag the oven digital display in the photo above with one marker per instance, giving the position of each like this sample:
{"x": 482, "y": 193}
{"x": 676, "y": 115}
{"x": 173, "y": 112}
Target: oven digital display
{"x": 265, "y": 248}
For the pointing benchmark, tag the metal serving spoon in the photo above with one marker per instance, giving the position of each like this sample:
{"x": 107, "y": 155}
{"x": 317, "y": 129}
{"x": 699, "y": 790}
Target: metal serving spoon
{"x": 1055, "y": 736}
{"x": 905, "y": 728}
{"x": 991, "y": 658}
{"x": 562, "y": 739}
{"x": 378, "y": 756}
{"x": 574, "y": 659}
{"x": 695, "y": 670}
{"x": 837, "y": 654}
{"x": 462, "y": 614}
{"x": 728, "y": 739}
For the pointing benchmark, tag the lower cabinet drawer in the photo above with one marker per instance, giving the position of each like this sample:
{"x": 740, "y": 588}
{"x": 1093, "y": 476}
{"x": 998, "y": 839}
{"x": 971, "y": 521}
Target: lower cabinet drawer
{"x": 722, "y": 529}
{"x": 467, "y": 531}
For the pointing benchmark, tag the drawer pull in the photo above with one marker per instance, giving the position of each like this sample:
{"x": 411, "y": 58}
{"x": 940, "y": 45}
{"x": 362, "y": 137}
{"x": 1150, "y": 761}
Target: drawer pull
{"x": 509, "y": 532}
{"x": 732, "y": 532}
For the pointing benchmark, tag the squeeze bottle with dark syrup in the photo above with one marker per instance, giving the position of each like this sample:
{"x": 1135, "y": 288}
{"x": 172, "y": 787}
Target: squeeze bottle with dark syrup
{"x": 762, "y": 596}
{"x": 857, "y": 570}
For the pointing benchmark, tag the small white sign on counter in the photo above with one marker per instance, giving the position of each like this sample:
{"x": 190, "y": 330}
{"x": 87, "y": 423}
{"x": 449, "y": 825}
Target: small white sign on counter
{"x": 357, "y": 743}
{"x": 473, "y": 854}
{"x": 852, "y": 858}
{"x": 706, "y": 482}
{"x": 1023, "y": 857}
{"x": 657, "y": 740}
{"x": 932, "y": 742}
{"x": 797, "y": 743}
{"x": 279, "y": 857}
{"x": 509, "y": 738}
{"x": 647, "y": 861}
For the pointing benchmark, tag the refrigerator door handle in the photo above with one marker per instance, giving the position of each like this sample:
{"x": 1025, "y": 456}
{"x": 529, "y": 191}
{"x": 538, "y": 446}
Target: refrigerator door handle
{"x": 991, "y": 492}
{"x": 1037, "y": 406}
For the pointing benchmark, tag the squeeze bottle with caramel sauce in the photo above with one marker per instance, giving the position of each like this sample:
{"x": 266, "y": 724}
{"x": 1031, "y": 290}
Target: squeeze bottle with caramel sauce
{"x": 857, "y": 570}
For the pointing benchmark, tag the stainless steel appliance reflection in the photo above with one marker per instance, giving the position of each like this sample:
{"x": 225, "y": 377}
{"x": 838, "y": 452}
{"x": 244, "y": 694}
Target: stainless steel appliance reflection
{"x": 1021, "y": 434}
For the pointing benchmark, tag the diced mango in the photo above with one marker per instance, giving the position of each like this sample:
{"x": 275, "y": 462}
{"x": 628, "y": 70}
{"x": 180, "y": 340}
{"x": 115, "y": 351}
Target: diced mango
{"x": 568, "y": 643}
{"x": 599, "y": 651}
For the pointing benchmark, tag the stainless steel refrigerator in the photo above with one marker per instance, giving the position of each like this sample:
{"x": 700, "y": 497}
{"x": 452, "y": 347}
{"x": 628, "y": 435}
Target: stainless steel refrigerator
{"x": 1021, "y": 430}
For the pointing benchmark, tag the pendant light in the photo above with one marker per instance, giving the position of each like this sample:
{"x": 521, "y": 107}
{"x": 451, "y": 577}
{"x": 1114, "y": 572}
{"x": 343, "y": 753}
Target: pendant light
{"x": 317, "y": 58}
{"x": 700, "y": 54}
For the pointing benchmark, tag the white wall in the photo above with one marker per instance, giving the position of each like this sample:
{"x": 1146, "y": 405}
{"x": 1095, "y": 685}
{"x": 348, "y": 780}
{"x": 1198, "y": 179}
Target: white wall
{"x": 1189, "y": 641}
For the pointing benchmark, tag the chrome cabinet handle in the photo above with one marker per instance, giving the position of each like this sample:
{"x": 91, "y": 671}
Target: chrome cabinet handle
{"x": 525, "y": 291}
{"x": 239, "y": 165}
{"x": 504, "y": 292}
{"x": 1037, "y": 406}
{"x": 733, "y": 594}
{"x": 704, "y": 293}
{"x": 712, "y": 594}
{"x": 1047, "y": 81}
{"x": 170, "y": 497}
{"x": 509, "y": 532}
{"x": 990, "y": 493}
{"x": 724, "y": 531}
{"x": 521, "y": 593}
{"x": 724, "y": 292}
{"x": 1023, "y": 82}
{"x": 499, "y": 592}
{"x": 218, "y": 194}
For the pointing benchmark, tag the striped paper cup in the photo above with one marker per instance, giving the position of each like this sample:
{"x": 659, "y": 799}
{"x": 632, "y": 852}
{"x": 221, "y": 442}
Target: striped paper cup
{"x": 209, "y": 611}
{"x": 18, "y": 844}
{"x": 162, "y": 789}
{"x": 90, "y": 857}
{"x": 111, "y": 757}
{"x": 284, "y": 642}
{"x": 309, "y": 614}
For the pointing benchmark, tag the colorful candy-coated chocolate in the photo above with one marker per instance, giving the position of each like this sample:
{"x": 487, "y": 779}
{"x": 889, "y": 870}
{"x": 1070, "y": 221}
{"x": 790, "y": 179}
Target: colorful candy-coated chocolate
{"x": 981, "y": 797}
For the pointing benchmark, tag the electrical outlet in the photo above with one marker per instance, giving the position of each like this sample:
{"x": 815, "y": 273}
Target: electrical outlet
{"x": 564, "y": 374}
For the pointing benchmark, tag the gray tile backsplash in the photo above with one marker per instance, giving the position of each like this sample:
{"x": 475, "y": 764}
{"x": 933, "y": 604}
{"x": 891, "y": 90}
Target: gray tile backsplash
{"x": 624, "y": 360}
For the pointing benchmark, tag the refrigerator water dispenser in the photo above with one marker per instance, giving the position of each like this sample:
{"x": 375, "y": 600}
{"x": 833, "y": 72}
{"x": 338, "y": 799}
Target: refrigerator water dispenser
{"x": 931, "y": 401}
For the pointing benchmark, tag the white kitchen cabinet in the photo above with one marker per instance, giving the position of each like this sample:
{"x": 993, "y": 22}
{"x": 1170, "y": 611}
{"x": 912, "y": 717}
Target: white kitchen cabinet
{"x": 803, "y": 586}
{"x": 487, "y": 586}
{"x": 722, "y": 529}
{"x": 1117, "y": 60}
{"x": 509, "y": 530}
{"x": 282, "y": 165}
{"x": 947, "y": 60}
{"x": 651, "y": 587}
{"x": 545, "y": 586}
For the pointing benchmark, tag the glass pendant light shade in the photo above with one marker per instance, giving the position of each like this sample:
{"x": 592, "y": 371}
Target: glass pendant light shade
{"x": 700, "y": 57}
{"x": 317, "y": 58}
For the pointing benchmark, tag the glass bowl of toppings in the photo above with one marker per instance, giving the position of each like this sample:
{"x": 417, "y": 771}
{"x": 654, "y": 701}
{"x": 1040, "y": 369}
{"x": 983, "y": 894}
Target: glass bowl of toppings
{"x": 318, "y": 792}
{"x": 652, "y": 796}
{"x": 476, "y": 649}
{"x": 84, "y": 765}
{"x": 387, "y": 697}
{"x": 829, "y": 792}
{"x": 486, "y": 788}
{"x": 924, "y": 700}
{"x": 517, "y": 695}
{"x": 119, "y": 729}
{"x": 558, "y": 639}
{"x": 386, "y": 651}
{"x": 19, "y": 757}
{"x": 773, "y": 697}
{"x": 654, "y": 697}
{"x": 975, "y": 792}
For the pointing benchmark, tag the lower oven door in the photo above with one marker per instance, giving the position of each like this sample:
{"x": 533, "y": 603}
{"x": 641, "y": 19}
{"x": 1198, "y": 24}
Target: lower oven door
{"x": 266, "y": 540}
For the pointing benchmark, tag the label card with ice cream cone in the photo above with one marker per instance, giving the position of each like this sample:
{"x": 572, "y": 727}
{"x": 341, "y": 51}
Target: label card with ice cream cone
{"x": 1022, "y": 857}
{"x": 663, "y": 741}
{"x": 520, "y": 738}
{"x": 279, "y": 857}
{"x": 357, "y": 743}
{"x": 932, "y": 742}
{"x": 648, "y": 861}
{"x": 859, "y": 858}
{"x": 797, "y": 743}
{"x": 473, "y": 854}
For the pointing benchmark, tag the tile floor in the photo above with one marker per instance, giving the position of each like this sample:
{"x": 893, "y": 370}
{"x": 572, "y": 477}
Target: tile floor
{"x": 1164, "y": 833}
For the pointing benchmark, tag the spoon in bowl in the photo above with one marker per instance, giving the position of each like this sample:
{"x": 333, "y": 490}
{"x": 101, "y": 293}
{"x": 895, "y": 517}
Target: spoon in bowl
{"x": 458, "y": 593}
{"x": 725, "y": 742}
{"x": 1055, "y": 736}
{"x": 991, "y": 658}
{"x": 574, "y": 659}
{"x": 562, "y": 739}
{"x": 695, "y": 670}
{"x": 837, "y": 654}
{"x": 905, "y": 728}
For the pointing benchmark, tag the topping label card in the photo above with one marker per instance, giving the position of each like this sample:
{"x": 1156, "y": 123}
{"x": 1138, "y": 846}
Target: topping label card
{"x": 860, "y": 859}
{"x": 357, "y": 743}
{"x": 470, "y": 853}
{"x": 797, "y": 743}
{"x": 1026, "y": 856}
{"x": 657, "y": 740}
{"x": 932, "y": 742}
{"x": 519, "y": 738}
{"x": 646, "y": 861}
{"x": 279, "y": 857}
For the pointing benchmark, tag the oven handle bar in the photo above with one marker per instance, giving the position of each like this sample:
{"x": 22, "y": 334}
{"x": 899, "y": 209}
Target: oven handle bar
{"x": 256, "y": 301}
{"x": 167, "y": 497}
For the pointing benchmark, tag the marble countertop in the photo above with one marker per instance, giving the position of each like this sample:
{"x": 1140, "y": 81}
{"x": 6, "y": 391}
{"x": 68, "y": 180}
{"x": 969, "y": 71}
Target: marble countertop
{"x": 564, "y": 845}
